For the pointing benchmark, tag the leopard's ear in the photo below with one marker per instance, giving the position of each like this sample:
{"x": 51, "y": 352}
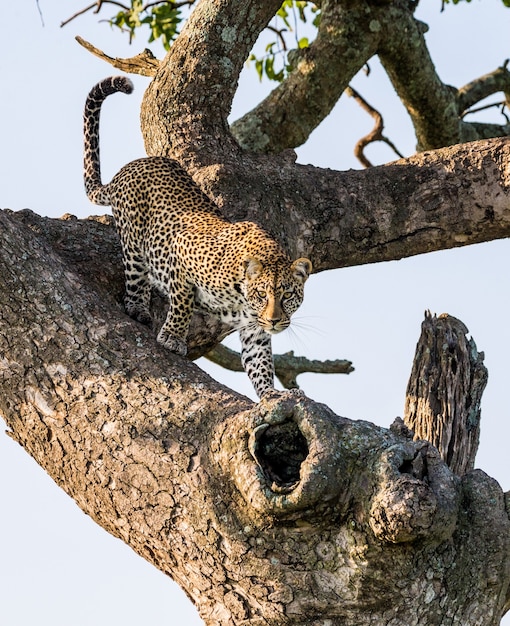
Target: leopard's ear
{"x": 301, "y": 269}
{"x": 252, "y": 267}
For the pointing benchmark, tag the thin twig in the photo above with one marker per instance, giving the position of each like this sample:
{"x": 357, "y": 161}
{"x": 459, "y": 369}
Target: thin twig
{"x": 70, "y": 19}
{"x": 483, "y": 108}
{"x": 374, "y": 135}
{"x": 40, "y": 12}
{"x": 98, "y": 6}
{"x": 279, "y": 33}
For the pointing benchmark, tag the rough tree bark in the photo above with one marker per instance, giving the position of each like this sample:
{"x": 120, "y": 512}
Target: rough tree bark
{"x": 276, "y": 513}
{"x": 279, "y": 513}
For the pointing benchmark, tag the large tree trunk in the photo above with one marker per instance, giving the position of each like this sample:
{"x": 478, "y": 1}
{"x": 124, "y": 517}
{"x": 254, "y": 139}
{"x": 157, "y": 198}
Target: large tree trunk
{"x": 276, "y": 513}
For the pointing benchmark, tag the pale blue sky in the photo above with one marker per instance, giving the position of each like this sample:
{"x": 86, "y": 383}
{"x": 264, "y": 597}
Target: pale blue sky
{"x": 54, "y": 561}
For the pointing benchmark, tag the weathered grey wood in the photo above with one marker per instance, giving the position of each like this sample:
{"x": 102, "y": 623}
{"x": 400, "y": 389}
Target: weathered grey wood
{"x": 445, "y": 391}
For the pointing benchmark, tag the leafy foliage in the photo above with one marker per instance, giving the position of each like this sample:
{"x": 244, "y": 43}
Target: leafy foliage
{"x": 290, "y": 18}
{"x": 162, "y": 18}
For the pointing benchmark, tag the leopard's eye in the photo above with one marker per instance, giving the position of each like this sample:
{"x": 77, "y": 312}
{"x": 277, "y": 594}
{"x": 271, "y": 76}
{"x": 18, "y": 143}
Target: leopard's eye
{"x": 261, "y": 294}
{"x": 287, "y": 294}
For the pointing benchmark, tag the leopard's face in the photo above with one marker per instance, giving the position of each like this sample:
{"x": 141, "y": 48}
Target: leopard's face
{"x": 276, "y": 292}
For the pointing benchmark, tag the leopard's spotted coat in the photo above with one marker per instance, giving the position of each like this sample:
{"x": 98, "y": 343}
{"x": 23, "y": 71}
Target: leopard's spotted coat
{"x": 175, "y": 238}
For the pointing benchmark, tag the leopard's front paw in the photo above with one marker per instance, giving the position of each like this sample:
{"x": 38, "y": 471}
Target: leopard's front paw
{"x": 172, "y": 343}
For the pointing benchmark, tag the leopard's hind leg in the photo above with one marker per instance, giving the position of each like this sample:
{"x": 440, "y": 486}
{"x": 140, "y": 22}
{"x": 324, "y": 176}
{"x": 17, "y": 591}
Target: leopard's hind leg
{"x": 181, "y": 296}
{"x": 138, "y": 287}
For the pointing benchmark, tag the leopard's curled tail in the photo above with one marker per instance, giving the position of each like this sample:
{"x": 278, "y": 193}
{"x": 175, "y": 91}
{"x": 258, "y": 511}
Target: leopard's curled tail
{"x": 96, "y": 191}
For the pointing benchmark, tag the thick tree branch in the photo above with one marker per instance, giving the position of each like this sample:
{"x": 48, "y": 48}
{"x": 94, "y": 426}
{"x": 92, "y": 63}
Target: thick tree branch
{"x": 287, "y": 366}
{"x": 320, "y": 74}
{"x": 406, "y": 59}
{"x": 431, "y": 201}
{"x": 435, "y": 108}
{"x": 279, "y": 513}
{"x": 213, "y": 46}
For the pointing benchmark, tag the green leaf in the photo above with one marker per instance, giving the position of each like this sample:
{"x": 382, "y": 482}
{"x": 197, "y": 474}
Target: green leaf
{"x": 163, "y": 22}
{"x": 270, "y": 71}
{"x": 284, "y": 14}
{"x": 162, "y": 18}
{"x": 259, "y": 66}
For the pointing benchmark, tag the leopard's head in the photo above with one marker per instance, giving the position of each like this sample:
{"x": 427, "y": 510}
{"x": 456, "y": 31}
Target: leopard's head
{"x": 275, "y": 290}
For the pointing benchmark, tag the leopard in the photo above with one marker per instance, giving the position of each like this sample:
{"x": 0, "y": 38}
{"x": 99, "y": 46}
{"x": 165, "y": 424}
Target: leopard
{"x": 175, "y": 239}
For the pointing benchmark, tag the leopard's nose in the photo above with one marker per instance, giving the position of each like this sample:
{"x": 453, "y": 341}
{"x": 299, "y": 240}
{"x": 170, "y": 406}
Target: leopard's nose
{"x": 276, "y": 324}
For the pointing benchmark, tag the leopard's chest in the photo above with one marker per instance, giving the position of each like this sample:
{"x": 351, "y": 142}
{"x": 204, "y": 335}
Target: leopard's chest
{"x": 229, "y": 305}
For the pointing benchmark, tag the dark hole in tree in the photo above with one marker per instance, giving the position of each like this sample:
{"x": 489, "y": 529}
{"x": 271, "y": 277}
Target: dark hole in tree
{"x": 416, "y": 467}
{"x": 280, "y": 451}
{"x": 406, "y": 467}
